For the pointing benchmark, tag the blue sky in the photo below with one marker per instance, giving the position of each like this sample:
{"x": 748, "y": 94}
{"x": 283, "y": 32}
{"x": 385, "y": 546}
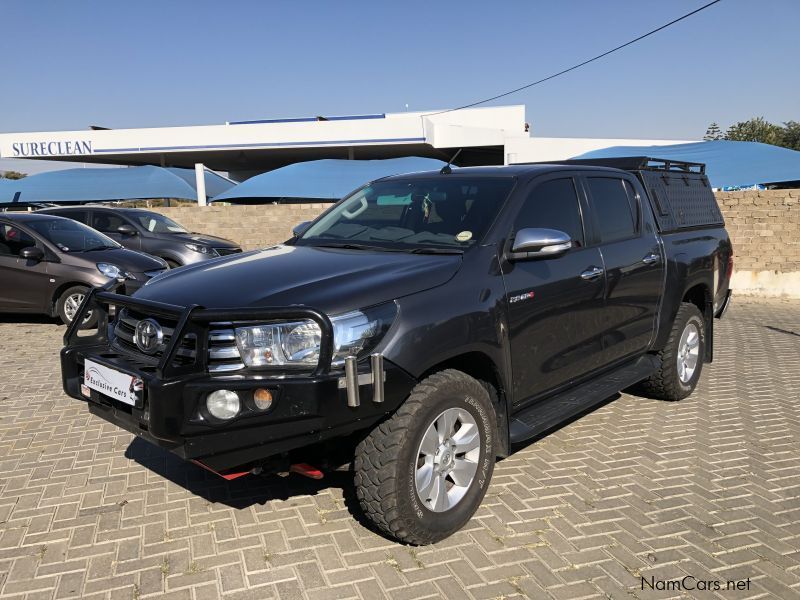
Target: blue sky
{"x": 68, "y": 65}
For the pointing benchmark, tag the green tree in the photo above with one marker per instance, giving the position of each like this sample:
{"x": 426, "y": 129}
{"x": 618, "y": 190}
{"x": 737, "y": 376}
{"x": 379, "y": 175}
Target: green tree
{"x": 791, "y": 135}
{"x": 757, "y": 129}
{"x": 713, "y": 133}
{"x": 13, "y": 175}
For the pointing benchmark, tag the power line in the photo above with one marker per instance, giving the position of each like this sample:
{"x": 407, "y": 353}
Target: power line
{"x": 579, "y": 65}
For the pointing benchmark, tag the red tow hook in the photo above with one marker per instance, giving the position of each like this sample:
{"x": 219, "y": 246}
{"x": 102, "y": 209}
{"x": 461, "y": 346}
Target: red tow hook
{"x": 227, "y": 476}
{"x": 306, "y": 470}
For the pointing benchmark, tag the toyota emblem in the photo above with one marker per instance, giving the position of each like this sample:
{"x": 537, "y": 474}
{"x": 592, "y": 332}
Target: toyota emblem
{"x": 148, "y": 336}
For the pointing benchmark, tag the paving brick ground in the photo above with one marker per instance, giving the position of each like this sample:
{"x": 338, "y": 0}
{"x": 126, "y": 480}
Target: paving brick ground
{"x": 708, "y": 487}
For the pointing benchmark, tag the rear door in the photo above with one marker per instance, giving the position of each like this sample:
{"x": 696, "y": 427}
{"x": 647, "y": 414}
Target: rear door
{"x": 554, "y": 309}
{"x": 24, "y": 284}
{"x": 633, "y": 261}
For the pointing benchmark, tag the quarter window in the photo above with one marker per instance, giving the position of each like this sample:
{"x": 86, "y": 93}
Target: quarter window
{"x": 611, "y": 205}
{"x": 553, "y": 205}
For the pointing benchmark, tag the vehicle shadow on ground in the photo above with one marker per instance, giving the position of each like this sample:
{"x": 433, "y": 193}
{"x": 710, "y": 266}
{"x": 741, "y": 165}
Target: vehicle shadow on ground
{"x": 253, "y": 490}
{"x": 245, "y": 491}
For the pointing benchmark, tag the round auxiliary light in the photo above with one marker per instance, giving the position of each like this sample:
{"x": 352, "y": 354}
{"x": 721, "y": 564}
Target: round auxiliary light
{"x": 262, "y": 399}
{"x": 223, "y": 404}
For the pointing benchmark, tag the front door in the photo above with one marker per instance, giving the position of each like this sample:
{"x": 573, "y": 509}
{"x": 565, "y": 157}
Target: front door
{"x": 108, "y": 223}
{"x": 554, "y": 304}
{"x": 24, "y": 284}
{"x": 633, "y": 261}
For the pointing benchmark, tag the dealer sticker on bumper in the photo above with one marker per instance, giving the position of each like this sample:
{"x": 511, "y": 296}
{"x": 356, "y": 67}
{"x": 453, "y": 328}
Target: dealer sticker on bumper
{"x": 119, "y": 386}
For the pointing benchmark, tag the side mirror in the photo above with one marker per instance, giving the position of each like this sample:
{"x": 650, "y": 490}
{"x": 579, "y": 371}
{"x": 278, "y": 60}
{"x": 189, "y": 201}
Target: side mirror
{"x": 534, "y": 243}
{"x": 300, "y": 228}
{"x": 127, "y": 230}
{"x": 32, "y": 253}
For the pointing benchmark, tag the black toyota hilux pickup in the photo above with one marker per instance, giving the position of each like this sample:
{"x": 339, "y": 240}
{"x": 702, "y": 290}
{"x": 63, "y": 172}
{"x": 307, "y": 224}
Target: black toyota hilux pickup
{"x": 432, "y": 322}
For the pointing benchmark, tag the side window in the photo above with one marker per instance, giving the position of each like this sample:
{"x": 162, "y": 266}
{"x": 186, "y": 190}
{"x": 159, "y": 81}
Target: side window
{"x": 81, "y": 216}
{"x": 12, "y": 240}
{"x": 106, "y": 221}
{"x": 553, "y": 205}
{"x": 612, "y": 209}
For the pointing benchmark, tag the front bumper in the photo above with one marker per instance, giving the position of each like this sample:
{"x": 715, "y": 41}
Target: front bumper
{"x": 306, "y": 409}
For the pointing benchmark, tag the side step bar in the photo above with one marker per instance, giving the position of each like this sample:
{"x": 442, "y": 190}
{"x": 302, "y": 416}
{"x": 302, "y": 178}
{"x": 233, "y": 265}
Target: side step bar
{"x": 544, "y": 414}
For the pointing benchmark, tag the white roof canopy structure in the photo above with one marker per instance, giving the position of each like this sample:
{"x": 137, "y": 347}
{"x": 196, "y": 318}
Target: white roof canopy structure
{"x": 485, "y": 136}
{"x": 267, "y": 144}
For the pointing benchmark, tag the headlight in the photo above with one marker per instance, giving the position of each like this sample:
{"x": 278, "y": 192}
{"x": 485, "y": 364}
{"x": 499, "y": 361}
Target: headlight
{"x": 112, "y": 271}
{"x": 298, "y": 343}
{"x": 223, "y": 404}
{"x": 202, "y": 249}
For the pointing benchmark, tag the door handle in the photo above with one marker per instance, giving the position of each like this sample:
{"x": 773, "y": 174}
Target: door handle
{"x": 651, "y": 258}
{"x": 592, "y": 274}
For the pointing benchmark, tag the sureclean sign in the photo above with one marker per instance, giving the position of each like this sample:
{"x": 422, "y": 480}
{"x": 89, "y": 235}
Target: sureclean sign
{"x": 20, "y": 149}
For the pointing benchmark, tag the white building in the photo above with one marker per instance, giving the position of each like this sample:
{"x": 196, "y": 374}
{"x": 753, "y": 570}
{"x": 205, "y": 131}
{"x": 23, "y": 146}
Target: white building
{"x": 493, "y": 135}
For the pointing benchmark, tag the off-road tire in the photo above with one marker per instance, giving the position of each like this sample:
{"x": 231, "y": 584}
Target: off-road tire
{"x": 665, "y": 384}
{"x": 61, "y": 310}
{"x": 386, "y": 460}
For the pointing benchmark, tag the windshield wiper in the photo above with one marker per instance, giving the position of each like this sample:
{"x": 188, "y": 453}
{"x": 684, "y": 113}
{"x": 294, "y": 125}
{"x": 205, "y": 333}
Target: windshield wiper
{"x": 99, "y": 248}
{"x": 436, "y": 251}
{"x": 348, "y": 246}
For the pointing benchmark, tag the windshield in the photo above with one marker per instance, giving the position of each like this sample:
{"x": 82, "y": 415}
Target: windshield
{"x": 437, "y": 212}
{"x": 71, "y": 236}
{"x": 157, "y": 223}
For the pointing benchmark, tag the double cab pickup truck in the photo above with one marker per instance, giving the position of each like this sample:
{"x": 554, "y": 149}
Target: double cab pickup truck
{"x": 429, "y": 322}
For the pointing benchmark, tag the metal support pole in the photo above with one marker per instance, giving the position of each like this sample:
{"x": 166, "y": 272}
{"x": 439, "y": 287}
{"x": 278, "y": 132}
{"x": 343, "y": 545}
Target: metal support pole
{"x": 200, "y": 183}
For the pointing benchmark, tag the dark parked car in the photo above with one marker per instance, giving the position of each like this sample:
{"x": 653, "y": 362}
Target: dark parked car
{"x": 48, "y": 263}
{"x": 150, "y": 232}
{"x": 430, "y": 322}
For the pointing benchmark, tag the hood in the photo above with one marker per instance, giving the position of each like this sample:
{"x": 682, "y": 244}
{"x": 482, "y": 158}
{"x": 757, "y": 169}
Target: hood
{"x": 201, "y": 238}
{"x": 127, "y": 260}
{"x": 328, "y": 279}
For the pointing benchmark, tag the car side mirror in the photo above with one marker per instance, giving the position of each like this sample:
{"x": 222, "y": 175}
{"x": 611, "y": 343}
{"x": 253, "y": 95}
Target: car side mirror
{"x": 127, "y": 230}
{"x": 531, "y": 243}
{"x": 300, "y": 228}
{"x": 32, "y": 253}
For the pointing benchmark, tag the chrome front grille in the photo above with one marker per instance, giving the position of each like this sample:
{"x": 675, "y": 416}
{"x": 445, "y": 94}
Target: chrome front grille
{"x": 223, "y": 353}
{"x": 125, "y": 330}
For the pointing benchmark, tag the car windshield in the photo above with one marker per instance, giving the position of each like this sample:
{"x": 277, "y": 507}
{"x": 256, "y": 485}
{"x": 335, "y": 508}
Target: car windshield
{"x": 156, "y": 223}
{"x": 435, "y": 213}
{"x": 71, "y": 236}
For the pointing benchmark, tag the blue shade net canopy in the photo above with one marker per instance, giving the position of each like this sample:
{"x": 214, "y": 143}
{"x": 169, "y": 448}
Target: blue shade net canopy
{"x": 321, "y": 180}
{"x": 94, "y": 185}
{"x": 7, "y": 189}
{"x": 729, "y": 165}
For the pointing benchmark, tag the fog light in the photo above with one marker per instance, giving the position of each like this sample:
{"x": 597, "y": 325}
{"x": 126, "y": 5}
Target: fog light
{"x": 223, "y": 404}
{"x": 262, "y": 399}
